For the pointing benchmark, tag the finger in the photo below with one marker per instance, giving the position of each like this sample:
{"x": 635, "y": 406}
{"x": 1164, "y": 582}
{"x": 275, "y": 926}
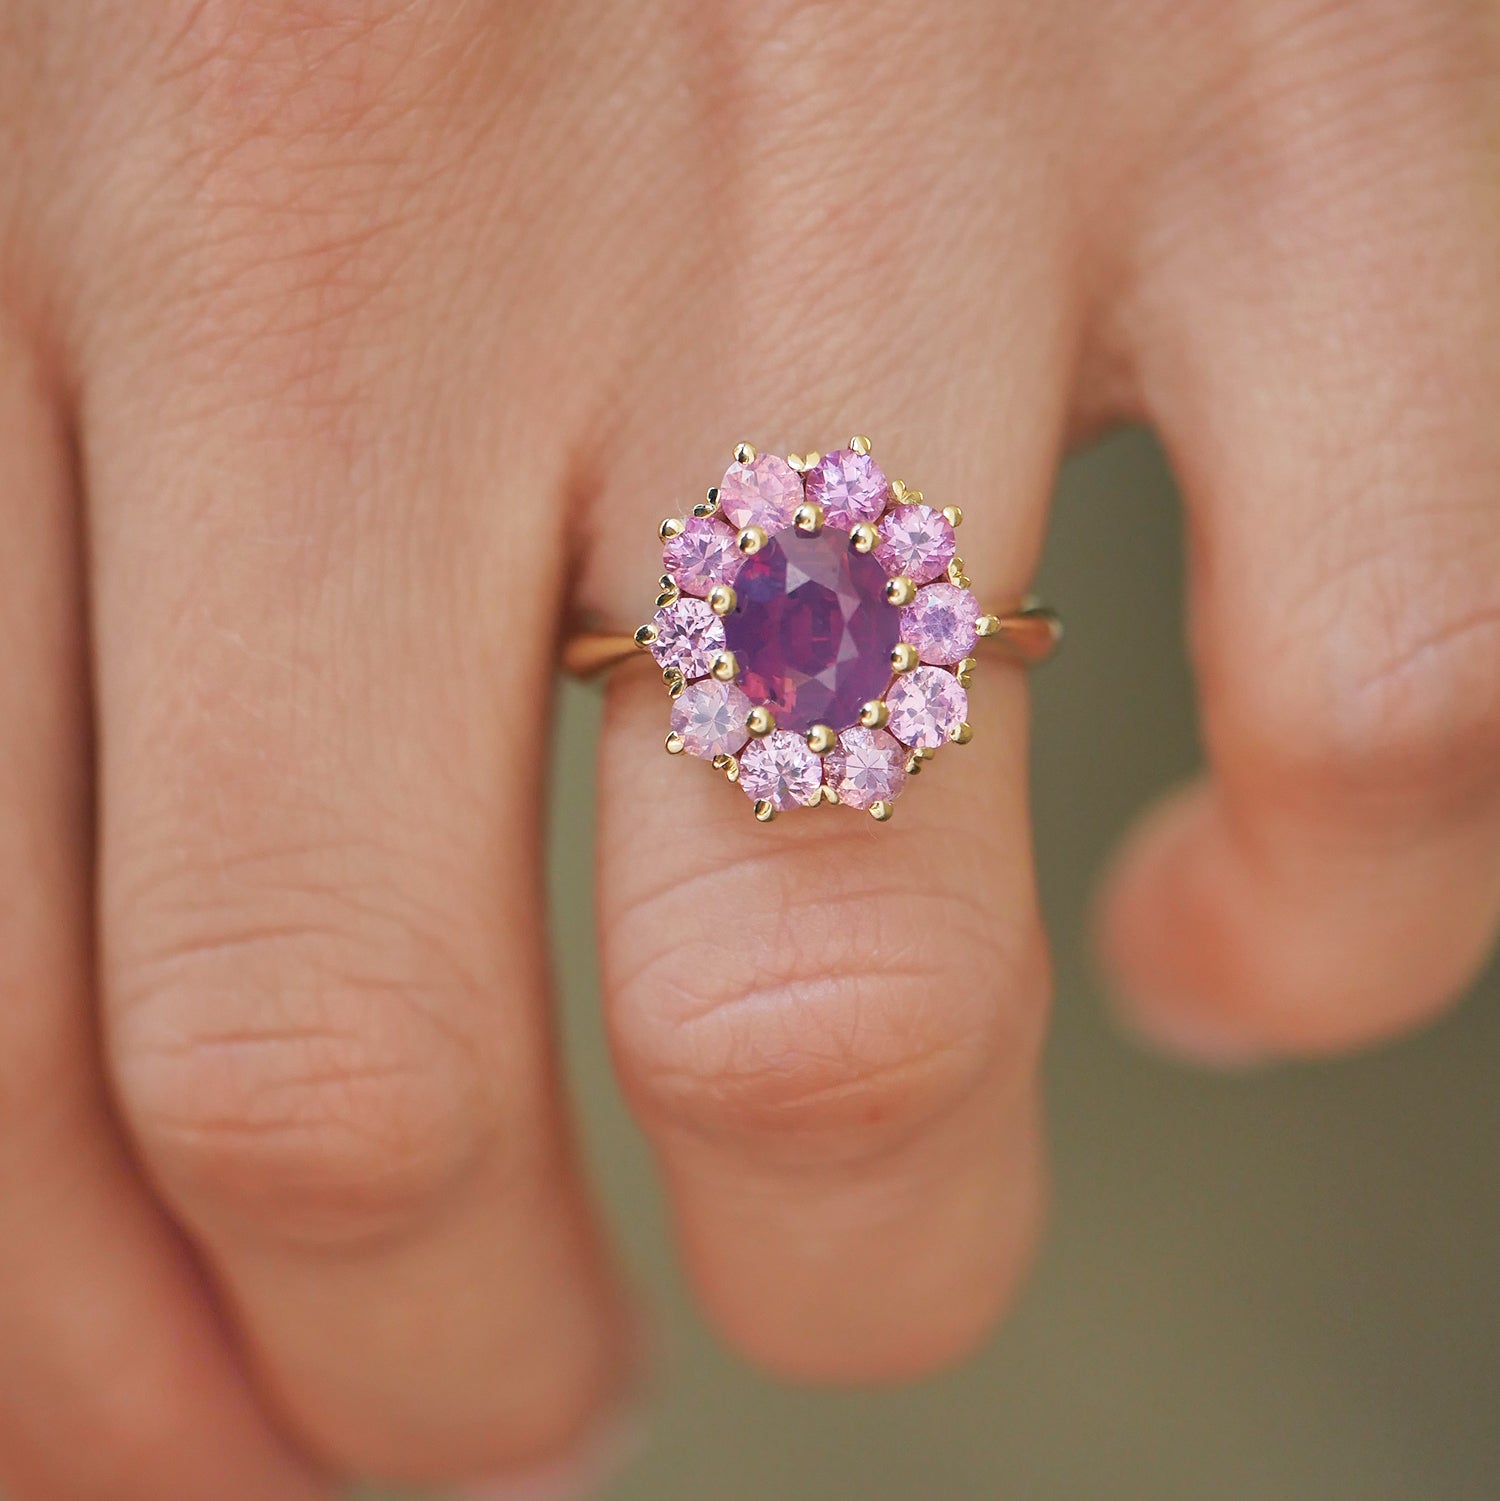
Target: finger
{"x": 105, "y": 1332}
{"x": 1325, "y": 388}
{"x": 830, "y": 1027}
{"x": 320, "y": 893}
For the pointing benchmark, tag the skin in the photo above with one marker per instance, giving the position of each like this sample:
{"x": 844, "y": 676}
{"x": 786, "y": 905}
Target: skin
{"x": 347, "y": 345}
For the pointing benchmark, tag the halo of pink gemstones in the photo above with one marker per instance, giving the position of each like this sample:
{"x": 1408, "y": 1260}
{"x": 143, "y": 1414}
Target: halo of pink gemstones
{"x": 815, "y": 630}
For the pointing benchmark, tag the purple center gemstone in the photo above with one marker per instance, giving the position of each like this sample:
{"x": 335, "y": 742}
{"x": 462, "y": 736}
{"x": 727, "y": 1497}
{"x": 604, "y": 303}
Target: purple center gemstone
{"x": 812, "y": 630}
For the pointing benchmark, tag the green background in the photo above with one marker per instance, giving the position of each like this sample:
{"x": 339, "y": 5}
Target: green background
{"x": 1258, "y": 1287}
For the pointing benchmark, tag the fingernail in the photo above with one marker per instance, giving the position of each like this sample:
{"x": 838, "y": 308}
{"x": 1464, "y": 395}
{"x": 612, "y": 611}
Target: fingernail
{"x": 593, "y": 1463}
{"x": 1187, "y": 1036}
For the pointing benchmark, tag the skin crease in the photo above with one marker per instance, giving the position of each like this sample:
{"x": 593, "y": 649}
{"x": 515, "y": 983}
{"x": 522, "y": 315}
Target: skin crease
{"x": 347, "y": 345}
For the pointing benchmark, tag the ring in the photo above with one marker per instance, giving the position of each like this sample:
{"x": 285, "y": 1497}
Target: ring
{"x": 816, "y": 631}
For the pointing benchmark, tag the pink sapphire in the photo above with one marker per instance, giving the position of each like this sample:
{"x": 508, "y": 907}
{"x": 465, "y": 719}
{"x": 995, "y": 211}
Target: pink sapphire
{"x": 927, "y": 705}
{"x": 851, "y": 487}
{"x": 867, "y": 766}
{"x": 941, "y": 622}
{"x": 701, "y": 555}
{"x": 688, "y": 637}
{"x": 811, "y": 629}
{"x": 710, "y": 717}
{"x": 765, "y": 493}
{"x": 782, "y": 769}
{"x": 916, "y": 541}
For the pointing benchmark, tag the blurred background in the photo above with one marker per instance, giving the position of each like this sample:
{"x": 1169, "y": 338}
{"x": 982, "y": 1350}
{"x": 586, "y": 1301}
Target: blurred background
{"x": 1258, "y": 1287}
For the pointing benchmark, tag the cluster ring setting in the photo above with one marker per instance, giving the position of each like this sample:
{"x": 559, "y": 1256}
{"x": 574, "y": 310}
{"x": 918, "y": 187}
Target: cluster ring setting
{"x": 816, "y": 631}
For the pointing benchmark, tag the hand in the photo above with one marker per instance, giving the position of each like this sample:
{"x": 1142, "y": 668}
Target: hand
{"x": 346, "y": 344}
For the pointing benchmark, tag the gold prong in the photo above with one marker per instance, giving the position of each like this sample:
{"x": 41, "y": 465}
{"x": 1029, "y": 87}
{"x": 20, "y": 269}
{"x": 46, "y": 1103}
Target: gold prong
{"x": 744, "y": 453}
{"x": 864, "y": 537}
{"x": 645, "y": 637}
{"x": 964, "y": 672}
{"x": 900, "y": 591}
{"x": 709, "y": 507}
{"x": 750, "y": 540}
{"x": 675, "y": 684}
{"x": 796, "y": 462}
{"x": 926, "y": 752}
{"x": 812, "y": 458}
{"x": 988, "y": 625}
{"x": 821, "y": 739}
{"x": 904, "y": 657}
{"x": 722, "y": 599}
{"x": 955, "y": 570}
{"x": 760, "y": 721}
{"x": 860, "y": 444}
{"x": 881, "y": 811}
{"x": 809, "y": 518}
{"x": 914, "y": 497}
{"x": 673, "y": 526}
{"x": 954, "y": 514}
{"x": 962, "y": 734}
{"x": 826, "y": 794}
{"x": 666, "y": 597}
{"x": 914, "y": 764}
{"x": 875, "y": 715}
{"x": 726, "y": 667}
{"x": 729, "y": 765}
{"x": 675, "y": 744}
{"x": 765, "y": 809}
{"x": 898, "y": 490}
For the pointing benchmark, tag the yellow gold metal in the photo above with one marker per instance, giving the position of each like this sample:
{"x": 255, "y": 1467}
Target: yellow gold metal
{"x": 898, "y": 490}
{"x": 673, "y": 526}
{"x": 904, "y": 657}
{"x": 914, "y": 764}
{"x": 765, "y": 809}
{"x": 881, "y": 811}
{"x": 744, "y": 453}
{"x": 900, "y": 591}
{"x": 675, "y": 744}
{"x": 726, "y": 763}
{"x": 962, "y": 734}
{"x": 1027, "y": 635}
{"x": 955, "y": 570}
{"x": 726, "y": 668}
{"x": 914, "y": 497}
{"x": 926, "y": 752}
{"x": 860, "y": 444}
{"x": 709, "y": 507}
{"x": 666, "y": 597}
{"x": 797, "y": 462}
{"x": 750, "y": 540}
{"x": 811, "y": 459}
{"x": 645, "y": 637}
{"x": 675, "y": 685}
{"x": 954, "y": 514}
{"x": 809, "y": 518}
{"x": 964, "y": 672}
{"x": 760, "y": 721}
{"x": 821, "y": 739}
{"x": 826, "y": 794}
{"x": 864, "y": 537}
{"x": 722, "y": 599}
{"x": 875, "y": 715}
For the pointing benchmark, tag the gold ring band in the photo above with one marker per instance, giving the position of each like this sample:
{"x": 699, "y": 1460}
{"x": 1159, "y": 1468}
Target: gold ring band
{"x": 1029, "y": 635}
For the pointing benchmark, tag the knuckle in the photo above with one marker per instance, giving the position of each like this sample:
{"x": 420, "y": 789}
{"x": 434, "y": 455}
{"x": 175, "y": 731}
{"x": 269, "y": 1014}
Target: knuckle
{"x": 1391, "y": 706}
{"x": 853, "y": 1033}
{"x": 277, "y": 1074}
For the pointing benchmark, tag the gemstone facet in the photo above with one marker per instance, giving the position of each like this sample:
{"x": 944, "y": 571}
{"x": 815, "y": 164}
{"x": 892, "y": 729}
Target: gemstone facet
{"x": 927, "y": 705}
{"x": 701, "y": 555}
{"x": 765, "y": 493}
{"x": 688, "y": 637}
{"x": 811, "y": 629}
{"x": 917, "y": 541}
{"x": 782, "y": 769}
{"x": 710, "y": 717}
{"x": 867, "y": 766}
{"x": 942, "y": 623}
{"x": 850, "y": 486}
